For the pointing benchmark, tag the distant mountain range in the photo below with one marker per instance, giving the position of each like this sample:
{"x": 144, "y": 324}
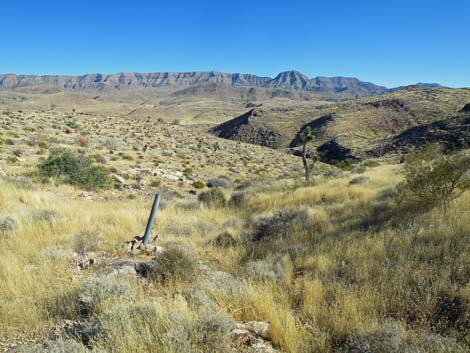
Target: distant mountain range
{"x": 288, "y": 80}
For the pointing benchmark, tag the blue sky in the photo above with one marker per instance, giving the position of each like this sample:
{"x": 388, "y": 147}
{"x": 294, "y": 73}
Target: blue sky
{"x": 386, "y": 42}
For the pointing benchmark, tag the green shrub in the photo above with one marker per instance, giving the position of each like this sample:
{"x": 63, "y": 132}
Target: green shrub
{"x": 432, "y": 178}
{"x": 198, "y": 184}
{"x": 74, "y": 169}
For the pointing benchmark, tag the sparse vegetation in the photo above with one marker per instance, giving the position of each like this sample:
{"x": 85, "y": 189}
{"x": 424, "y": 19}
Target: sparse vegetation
{"x": 341, "y": 265}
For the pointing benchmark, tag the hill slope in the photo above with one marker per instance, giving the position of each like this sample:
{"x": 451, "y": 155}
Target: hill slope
{"x": 356, "y": 125}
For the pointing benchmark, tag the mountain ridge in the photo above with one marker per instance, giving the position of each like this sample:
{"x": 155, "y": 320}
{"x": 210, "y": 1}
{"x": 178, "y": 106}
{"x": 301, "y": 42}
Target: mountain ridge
{"x": 292, "y": 80}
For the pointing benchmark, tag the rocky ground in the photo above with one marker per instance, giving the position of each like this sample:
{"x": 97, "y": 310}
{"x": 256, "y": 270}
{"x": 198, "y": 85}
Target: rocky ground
{"x": 142, "y": 154}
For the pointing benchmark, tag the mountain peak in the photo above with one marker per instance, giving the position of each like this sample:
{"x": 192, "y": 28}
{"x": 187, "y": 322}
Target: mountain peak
{"x": 291, "y": 80}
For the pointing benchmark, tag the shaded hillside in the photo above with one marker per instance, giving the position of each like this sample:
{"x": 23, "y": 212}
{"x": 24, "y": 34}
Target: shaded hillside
{"x": 355, "y": 126}
{"x": 451, "y": 133}
{"x": 246, "y": 128}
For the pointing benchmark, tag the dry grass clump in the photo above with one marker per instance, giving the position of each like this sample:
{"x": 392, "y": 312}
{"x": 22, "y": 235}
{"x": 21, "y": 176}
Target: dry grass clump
{"x": 86, "y": 241}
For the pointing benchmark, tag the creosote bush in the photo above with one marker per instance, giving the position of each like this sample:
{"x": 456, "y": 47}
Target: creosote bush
{"x": 432, "y": 178}
{"x": 74, "y": 169}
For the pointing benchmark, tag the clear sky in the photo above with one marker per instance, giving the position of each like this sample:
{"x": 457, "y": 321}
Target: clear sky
{"x": 392, "y": 42}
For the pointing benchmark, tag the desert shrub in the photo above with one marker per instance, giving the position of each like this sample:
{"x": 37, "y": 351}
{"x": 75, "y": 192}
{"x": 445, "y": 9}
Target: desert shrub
{"x": 173, "y": 264}
{"x": 210, "y": 332}
{"x": 95, "y": 290}
{"x": 60, "y": 345}
{"x": 224, "y": 239}
{"x": 82, "y": 141}
{"x": 385, "y": 339}
{"x": 45, "y": 215}
{"x": 155, "y": 183}
{"x": 220, "y": 182}
{"x": 390, "y": 338}
{"x": 432, "y": 178}
{"x": 276, "y": 268}
{"x": 204, "y": 228}
{"x": 169, "y": 327}
{"x": 452, "y": 313}
{"x": 7, "y": 224}
{"x": 198, "y": 184}
{"x": 85, "y": 241}
{"x": 100, "y": 159}
{"x": 74, "y": 169}
{"x": 359, "y": 180}
{"x": 127, "y": 157}
{"x": 85, "y": 331}
{"x": 199, "y": 299}
{"x": 239, "y": 199}
{"x": 213, "y": 198}
{"x": 333, "y": 173}
{"x": 280, "y": 224}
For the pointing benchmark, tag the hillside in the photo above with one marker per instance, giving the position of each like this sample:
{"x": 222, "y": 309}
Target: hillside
{"x": 452, "y": 133}
{"x": 346, "y": 129}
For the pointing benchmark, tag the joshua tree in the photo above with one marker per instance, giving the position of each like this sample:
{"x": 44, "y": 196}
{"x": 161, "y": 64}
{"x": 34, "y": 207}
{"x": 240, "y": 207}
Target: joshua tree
{"x": 305, "y": 137}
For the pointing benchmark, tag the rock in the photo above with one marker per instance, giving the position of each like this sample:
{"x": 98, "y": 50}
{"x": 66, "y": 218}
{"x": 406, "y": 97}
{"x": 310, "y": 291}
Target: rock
{"x": 2, "y": 173}
{"x": 253, "y": 337}
{"x": 118, "y": 179}
{"x": 124, "y": 267}
{"x": 259, "y": 328}
{"x": 86, "y": 195}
